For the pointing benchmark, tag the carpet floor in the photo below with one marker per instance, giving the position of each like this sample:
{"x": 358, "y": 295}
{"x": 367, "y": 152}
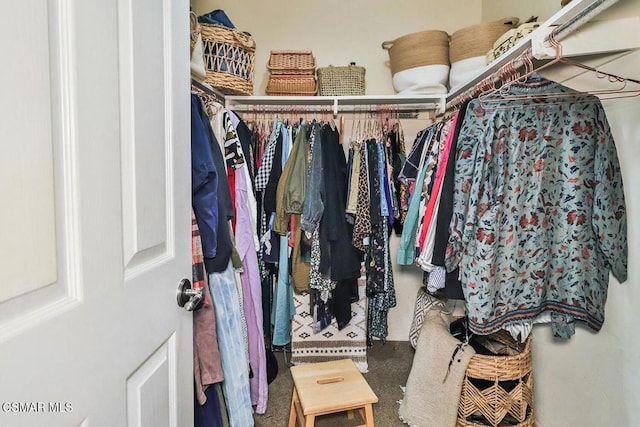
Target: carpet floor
{"x": 389, "y": 366}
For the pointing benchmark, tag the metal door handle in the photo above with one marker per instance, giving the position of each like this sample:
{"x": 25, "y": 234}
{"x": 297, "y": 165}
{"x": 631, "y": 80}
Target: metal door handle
{"x": 188, "y": 297}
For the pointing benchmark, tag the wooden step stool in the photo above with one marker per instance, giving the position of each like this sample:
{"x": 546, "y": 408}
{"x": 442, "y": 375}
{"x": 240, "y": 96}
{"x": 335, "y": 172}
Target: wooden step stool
{"x": 327, "y": 388}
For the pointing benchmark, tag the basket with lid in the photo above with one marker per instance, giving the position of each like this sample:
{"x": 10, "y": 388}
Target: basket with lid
{"x": 291, "y": 62}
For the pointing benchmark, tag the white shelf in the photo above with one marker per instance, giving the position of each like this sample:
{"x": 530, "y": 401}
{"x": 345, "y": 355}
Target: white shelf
{"x": 594, "y": 38}
{"x": 566, "y": 14}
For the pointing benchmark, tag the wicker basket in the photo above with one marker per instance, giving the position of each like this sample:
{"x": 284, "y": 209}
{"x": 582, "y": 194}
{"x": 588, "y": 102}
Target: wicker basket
{"x": 291, "y": 62}
{"x": 292, "y": 85}
{"x": 335, "y": 81}
{"x": 229, "y": 57}
{"x": 509, "y": 39}
{"x": 194, "y": 30}
{"x": 418, "y": 49}
{"x": 477, "y": 40}
{"x": 497, "y": 391}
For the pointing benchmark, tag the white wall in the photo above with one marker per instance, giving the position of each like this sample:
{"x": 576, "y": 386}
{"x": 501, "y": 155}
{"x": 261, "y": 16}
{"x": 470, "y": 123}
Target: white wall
{"x": 339, "y": 31}
{"x": 593, "y": 379}
{"x": 524, "y": 9}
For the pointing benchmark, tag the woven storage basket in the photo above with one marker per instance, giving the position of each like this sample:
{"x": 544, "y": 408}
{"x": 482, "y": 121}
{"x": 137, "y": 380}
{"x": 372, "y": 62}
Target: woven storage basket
{"x": 291, "y": 62}
{"x": 336, "y": 81}
{"x": 194, "y": 30}
{"x": 509, "y": 39}
{"x": 418, "y": 49}
{"x": 497, "y": 391}
{"x": 477, "y": 40}
{"x": 288, "y": 85}
{"x": 229, "y": 57}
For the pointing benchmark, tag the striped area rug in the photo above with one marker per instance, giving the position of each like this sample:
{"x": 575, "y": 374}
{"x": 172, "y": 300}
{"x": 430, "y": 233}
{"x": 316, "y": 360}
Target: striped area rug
{"x": 330, "y": 343}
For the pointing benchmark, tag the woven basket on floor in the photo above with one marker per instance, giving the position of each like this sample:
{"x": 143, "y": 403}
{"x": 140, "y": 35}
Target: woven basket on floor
{"x": 292, "y": 85}
{"x": 336, "y": 81}
{"x": 477, "y": 40}
{"x": 229, "y": 58}
{"x": 498, "y": 391}
{"x": 291, "y": 62}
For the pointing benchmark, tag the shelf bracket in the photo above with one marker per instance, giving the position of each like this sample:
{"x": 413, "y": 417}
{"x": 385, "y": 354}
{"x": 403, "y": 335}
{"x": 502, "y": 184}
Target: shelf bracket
{"x": 593, "y": 38}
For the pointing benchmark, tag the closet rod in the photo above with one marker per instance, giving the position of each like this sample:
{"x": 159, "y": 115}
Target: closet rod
{"x": 333, "y": 109}
{"x": 518, "y": 62}
{"x": 581, "y": 18}
{"x": 336, "y": 104}
{"x": 209, "y": 90}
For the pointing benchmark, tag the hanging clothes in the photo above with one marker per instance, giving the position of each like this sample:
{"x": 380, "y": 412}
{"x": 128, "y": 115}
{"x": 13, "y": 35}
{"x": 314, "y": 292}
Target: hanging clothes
{"x": 322, "y": 284}
{"x": 430, "y": 190}
{"x": 290, "y": 198}
{"x": 379, "y": 283}
{"x": 243, "y": 141}
{"x": 343, "y": 260}
{"x": 208, "y": 203}
{"x": 354, "y": 179}
{"x": 226, "y": 300}
{"x": 313, "y": 205}
{"x": 539, "y": 214}
{"x": 339, "y": 260}
{"x": 222, "y": 308}
{"x": 300, "y": 256}
{"x": 270, "y": 242}
{"x": 296, "y": 183}
{"x": 283, "y": 306}
{"x": 251, "y": 288}
{"x": 252, "y": 297}
{"x": 427, "y": 234}
{"x": 362, "y": 223}
{"x": 217, "y": 260}
{"x": 413, "y": 162}
{"x": 406, "y": 250}
{"x": 396, "y": 153}
{"x": 452, "y": 285}
{"x": 204, "y": 181}
{"x": 207, "y": 368}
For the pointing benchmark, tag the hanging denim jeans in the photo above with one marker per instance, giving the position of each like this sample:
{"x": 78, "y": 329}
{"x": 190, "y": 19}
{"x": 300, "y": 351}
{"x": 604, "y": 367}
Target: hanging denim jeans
{"x": 283, "y": 306}
{"x": 232, "y": 349}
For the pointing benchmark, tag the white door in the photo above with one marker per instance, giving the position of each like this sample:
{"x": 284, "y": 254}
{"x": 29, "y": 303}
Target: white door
{"x": 94, "y": 213}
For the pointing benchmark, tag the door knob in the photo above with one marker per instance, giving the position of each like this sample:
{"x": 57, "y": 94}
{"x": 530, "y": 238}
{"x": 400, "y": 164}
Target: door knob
{"x": 188, "y": 297}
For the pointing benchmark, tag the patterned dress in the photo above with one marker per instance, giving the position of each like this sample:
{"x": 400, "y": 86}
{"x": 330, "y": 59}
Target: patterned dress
{"x": 539, "y": 213}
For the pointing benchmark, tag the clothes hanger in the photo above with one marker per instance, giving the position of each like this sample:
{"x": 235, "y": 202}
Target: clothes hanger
{"x": 489, "y": 97}
{"x": 208, "y": 98}
{"x": 507, "y": 75}
{"x": 370, "y": 129}
{"x": 357, "y": 135}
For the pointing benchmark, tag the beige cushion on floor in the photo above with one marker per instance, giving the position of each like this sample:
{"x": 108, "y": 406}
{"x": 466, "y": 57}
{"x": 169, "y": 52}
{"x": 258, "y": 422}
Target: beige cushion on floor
{"x": 424, "y": 303}
{"x": 432, "y": 396}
